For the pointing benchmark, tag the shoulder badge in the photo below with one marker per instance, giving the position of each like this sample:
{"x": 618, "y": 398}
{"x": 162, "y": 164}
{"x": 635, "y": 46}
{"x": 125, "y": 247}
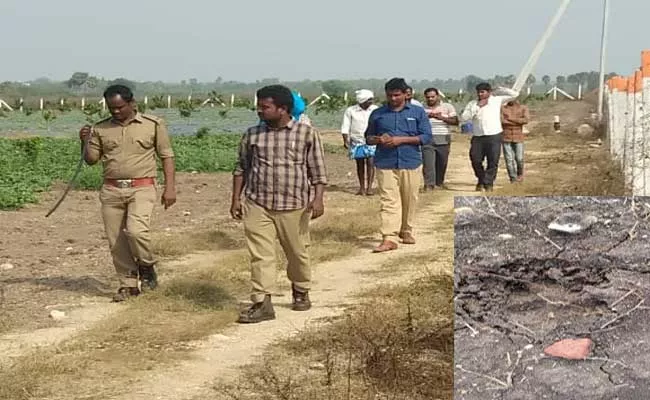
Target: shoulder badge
{"x": 152, "y": 118}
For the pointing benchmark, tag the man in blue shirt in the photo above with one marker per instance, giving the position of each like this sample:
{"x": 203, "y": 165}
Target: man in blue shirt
{"x": 398, "y": 129}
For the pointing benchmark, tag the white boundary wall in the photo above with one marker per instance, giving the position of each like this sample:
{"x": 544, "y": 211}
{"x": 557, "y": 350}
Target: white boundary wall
{"x": 628, "y": 125}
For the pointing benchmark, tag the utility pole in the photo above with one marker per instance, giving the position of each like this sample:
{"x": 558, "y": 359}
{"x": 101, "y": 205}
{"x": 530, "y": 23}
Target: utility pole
{"x": 603, "y": 48}
{"x": 539, "y": 47}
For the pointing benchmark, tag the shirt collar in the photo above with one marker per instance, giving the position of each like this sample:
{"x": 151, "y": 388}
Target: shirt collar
{"x": 136, "y": 118}
{"x": 289, "y": 125}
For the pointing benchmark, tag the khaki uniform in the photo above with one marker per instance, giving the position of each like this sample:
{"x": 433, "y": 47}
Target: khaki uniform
{"x": 129, "y": 152}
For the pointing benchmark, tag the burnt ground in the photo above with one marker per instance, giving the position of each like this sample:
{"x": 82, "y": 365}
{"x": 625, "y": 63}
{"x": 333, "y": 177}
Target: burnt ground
{"x": 517, "y": 294}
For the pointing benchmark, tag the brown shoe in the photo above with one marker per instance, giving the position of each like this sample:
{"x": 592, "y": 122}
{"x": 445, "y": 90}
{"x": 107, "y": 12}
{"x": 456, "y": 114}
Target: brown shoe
{"x": 301, "y": 300}
{"x": 386, "y": 245}
{"x": 258, "y": 312}
{"x": 407, "y": 238}
{"x": 124, "y": 293}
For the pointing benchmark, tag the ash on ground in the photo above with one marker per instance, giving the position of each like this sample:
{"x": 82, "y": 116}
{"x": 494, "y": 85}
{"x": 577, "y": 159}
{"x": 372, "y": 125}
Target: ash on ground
{"x": 532, "y": 271}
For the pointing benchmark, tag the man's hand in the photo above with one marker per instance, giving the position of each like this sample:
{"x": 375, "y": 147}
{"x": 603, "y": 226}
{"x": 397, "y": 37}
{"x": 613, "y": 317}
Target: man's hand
{"x": 236, "y": 209}
{"x": 436, "y": 115}
{"x": 84, "y": 132}
{"x": 168, "y": 198}
{"x": 317, "y": 208}
{"x": 390, "y": 141}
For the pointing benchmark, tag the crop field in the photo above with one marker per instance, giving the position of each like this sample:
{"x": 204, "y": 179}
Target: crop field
{"x": 217, "y": 120}
{"x": 37, "y": 151}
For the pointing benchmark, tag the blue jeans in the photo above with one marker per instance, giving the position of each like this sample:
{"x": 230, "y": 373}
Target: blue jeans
{"x": 513, "y": 153}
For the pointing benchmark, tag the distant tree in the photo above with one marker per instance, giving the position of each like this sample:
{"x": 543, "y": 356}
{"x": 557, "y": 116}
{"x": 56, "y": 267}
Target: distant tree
{"x": 334, "y": 88}
{"x": 530, "y": 81}
{"x": 77, "y": 80}
{"x": 560, "y": 80}
{"x": 123, "y": 81}
{"x": 547, "y": 80}
{"x": 510, "y": 80}
{"x": 471, "y": 81}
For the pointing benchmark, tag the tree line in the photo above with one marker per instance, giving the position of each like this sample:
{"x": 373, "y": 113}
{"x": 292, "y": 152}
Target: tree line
{"x": 85, "y": 84}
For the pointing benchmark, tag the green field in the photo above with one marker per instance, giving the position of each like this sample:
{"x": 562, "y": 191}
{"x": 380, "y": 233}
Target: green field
{"x": 30, "y": 165}
{"x": 34, "y": 153}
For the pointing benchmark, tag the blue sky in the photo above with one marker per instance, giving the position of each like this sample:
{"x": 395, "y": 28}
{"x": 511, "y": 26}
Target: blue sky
{"x": 294, "y": 40}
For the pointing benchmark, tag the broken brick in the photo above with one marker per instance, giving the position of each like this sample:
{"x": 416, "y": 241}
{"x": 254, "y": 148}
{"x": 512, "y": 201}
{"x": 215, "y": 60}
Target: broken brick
{"x": 570, "y": 349}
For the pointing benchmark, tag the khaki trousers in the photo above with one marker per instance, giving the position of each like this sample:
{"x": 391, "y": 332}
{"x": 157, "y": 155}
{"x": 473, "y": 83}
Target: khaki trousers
{"x": 398, "y": 194}
{"x": 127, "y": 219}
{"x": 262, "y": 228}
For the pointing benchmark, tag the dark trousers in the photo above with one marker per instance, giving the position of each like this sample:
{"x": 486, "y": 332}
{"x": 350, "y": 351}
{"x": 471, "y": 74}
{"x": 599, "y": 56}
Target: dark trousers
{"x": 435, "y": 158}
{"x": 485, "y": 147}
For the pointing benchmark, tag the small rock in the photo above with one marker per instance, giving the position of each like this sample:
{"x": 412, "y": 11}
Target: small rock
{"x": 194, "y": 172}
{"x": 186, "y": 213}
{"x": 464, "y": 215}
{"x": 585, "y": 130}
{"x": 57, "y": 315}
{"x": 317, "y": 366}
{"x": 505, "y": 236}
{"x": 570, "y": 349}
{"x": 572, "y": 222}
{"x": 6, "y": 267}
{"x": 528, "y": 347}
{"x": 68, "y": 249}
{"x": 219, "y": 336}
{"x": 473, "y": 288}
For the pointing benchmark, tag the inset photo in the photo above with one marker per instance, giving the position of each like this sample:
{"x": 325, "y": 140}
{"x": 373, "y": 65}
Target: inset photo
{"x": 551, "y": 298}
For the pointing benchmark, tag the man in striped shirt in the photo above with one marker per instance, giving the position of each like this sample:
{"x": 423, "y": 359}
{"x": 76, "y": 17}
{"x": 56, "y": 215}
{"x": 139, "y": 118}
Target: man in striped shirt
{"x": 280, "y": 162}
{"x": 435, "y": 156}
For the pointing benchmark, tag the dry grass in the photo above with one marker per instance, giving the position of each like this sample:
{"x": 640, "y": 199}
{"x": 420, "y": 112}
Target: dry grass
{"x": 160, "y": 327}
{"x": 180, "y": 244}
{"x": 568, "y": 167}
{"x": 397, "y": 345}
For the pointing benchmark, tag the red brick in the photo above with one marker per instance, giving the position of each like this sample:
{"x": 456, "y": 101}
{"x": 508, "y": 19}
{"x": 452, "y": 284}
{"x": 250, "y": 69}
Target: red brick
{"x": 571, "y": 349}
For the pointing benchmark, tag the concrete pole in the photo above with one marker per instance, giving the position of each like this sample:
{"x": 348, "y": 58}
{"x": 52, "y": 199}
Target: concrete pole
{"x": 603, "y": 48}
{"x": 539, "y": 48}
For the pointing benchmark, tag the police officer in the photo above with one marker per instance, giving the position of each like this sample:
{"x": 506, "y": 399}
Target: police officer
{"x": 127, "y": 144}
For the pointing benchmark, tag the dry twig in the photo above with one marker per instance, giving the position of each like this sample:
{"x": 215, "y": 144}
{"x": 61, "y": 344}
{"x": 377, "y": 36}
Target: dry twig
{"x": 491, "y": 378}
{"x": 548, "y": 240}
{"x": 623, "y": 315}
{"x": 622, "y": 298}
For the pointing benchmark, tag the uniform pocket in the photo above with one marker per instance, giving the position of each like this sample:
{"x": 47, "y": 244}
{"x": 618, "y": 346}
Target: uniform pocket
{"x": 144, "y": 142}
{"x": 109, "y": 144}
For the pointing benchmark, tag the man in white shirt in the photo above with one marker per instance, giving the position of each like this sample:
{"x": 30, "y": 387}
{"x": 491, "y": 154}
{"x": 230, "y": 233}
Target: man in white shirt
{"x": 485, "y": 115}
{"x": 435, "y": 156}
{"x": 411, "y": 99}
{"x": 355, "y": 122}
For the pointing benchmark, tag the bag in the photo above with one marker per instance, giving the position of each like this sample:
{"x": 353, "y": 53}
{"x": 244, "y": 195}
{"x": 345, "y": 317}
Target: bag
{"x": 467, "y": 128}
{"x": 361, "y": 151}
